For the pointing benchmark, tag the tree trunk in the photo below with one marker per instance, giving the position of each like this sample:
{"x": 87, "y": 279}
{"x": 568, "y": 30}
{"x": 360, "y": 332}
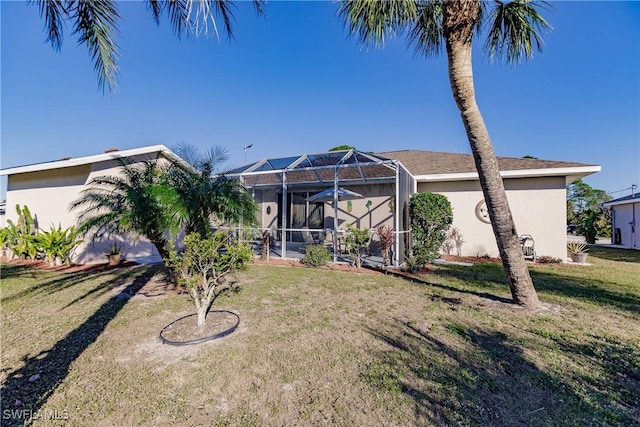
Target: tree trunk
{"x": 161, "y": 247}
{"x": 202, "y": 315}
{"x": 458, "y": 24}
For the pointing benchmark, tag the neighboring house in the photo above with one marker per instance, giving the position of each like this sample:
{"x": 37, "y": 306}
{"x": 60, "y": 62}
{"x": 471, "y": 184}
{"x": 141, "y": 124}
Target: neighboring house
{"x": 536, "y": 190}
{"x": 3, "y": 222}
{"x": 49, "y": 188}
{"x": 625, "y": 218}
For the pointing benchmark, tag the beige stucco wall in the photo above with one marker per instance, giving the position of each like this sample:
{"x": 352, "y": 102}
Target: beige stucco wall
{"x": 49, "y": 193}
{"x": 538, "y": 206}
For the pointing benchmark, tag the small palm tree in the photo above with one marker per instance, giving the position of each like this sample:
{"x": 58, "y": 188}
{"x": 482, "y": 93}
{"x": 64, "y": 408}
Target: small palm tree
{"x": 513, "y": 28}
{"x": 134, "y": 201}
{"x": 95, "y": 22}
{"x": 203, "y": 193}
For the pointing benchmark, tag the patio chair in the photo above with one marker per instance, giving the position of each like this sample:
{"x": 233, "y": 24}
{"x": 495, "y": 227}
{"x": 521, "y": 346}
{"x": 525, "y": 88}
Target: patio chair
{"x": 308, "y": 237}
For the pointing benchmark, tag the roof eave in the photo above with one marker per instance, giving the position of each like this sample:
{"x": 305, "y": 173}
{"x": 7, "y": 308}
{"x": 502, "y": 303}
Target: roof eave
{"x": 572, "y": 173}
{"x": 58, "y": 164}
{"x": 621, "y": 202}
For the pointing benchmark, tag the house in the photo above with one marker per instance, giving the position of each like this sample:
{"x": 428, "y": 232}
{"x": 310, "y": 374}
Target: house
{"x": 284, "y": 190}
{"x": 625, "y": 216}
{"x": 536, "y": 190}
{"x": 49, "y": 188}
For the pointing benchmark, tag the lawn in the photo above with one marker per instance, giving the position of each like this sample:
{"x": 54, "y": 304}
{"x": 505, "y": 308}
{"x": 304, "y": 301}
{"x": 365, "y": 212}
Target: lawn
{"x": 326, "y": 347}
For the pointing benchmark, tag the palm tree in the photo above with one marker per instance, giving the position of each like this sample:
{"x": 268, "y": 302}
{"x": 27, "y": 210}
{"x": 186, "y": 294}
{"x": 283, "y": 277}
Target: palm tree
{"x": 130, "y": 202}
{"x": 203, "y": 193}
{"x": 95, "y": 22}
{"x": 513, "y": 29}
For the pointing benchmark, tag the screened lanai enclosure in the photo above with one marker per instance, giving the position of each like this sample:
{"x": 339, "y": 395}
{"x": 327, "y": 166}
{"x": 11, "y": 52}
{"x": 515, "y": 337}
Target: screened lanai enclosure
{"x": 313, "y": 198}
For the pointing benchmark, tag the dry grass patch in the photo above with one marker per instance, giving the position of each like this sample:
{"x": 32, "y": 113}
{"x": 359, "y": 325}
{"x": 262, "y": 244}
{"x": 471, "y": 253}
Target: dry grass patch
{"x": 324, "y": 347}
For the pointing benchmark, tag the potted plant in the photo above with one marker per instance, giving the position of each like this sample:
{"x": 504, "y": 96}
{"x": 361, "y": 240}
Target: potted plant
{"x": 577, "y": 252}
{"x": 411, "y": 264}
{"x": 114, "y": 254}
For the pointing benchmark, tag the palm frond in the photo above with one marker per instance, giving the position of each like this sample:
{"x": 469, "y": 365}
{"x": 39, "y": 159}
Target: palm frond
{"x": 187, "y": 152}
{"x": 514, "y": 29}
{"x": 214, "y": 157}
{"x": 426, "y": 35}
{"x": 95, "y": 22}
{"x": 374, "y": 21}
{"x": 54, "y": 14}
{"x": 155, "y": 7}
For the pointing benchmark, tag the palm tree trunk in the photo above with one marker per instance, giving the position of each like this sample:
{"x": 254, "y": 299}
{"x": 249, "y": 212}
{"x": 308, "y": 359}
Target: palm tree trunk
{"x": 458, "y": 25}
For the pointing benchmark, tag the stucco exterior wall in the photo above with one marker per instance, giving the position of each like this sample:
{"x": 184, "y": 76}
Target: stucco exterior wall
{"x": 538, "y": 206}
{"x": 623, "y": 218}
{"x": 49, "y": 193}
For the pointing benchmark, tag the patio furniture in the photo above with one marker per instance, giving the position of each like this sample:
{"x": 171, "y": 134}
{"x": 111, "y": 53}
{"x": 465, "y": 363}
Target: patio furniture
{"x": 528, "y": 247}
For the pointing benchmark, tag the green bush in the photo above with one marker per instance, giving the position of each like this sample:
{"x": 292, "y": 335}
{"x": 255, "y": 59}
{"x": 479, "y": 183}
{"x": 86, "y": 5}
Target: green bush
{"x": 546, "y": 259}
{"x": 316, "y": 256}
{"x": 356, "y": 241}
{"x": 431, "y": 216}
{"x": 201, "y": 267}
{"x": 58, "y": 243}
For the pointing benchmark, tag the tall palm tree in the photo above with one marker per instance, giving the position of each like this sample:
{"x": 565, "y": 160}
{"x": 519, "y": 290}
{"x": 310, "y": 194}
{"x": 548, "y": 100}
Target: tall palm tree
{"x": 130, "y": 202}
{"x": 513, "y": 28}
{"x": 204, "y": 193}
{"x": 95, "y": 22}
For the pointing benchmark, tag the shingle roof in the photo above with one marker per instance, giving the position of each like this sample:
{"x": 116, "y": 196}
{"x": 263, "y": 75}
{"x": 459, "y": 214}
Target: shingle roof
{"x": 420, "y": 162}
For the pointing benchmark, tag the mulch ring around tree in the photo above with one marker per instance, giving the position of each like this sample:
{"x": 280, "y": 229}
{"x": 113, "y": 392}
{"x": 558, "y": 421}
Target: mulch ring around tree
{"x": 185, "y": 330}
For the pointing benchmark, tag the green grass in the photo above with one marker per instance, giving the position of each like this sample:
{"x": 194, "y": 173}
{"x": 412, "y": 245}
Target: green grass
{"x": 324, "y": 347}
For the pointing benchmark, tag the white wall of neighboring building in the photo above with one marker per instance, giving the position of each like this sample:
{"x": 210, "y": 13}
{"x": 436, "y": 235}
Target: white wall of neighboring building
{"x": 623, "y": 218}
{"x": 538, "y": 206}
{"x": 49, "y": 193}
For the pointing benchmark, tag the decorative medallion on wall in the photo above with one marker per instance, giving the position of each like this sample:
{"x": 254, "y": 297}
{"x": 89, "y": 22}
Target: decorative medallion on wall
{"x": 268, "y": 210}
{"x": 349, "y": 206}
{"x": 482, "y": 213}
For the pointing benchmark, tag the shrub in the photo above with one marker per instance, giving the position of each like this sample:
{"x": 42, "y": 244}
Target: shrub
{"x": 546, "y": 259}
{"x": 387, "y": 239}
{"x": 203, "y": 264}
{"x": 316, "y": 256}
{"x": 58, "y": 243}
{"x": 356, "y": 241}
{"x": 431, "y": 216}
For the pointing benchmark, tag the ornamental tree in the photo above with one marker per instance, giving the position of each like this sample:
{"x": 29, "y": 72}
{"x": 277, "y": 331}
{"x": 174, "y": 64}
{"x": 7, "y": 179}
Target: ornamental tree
{"x": 203, "y": 266}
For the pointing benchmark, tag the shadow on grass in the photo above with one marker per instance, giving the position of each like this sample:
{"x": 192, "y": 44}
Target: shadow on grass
{"x": 7, "y": 271}
{"x": 469, "y": 276}
{"x": 581, "y": 288}
{"x": 105, "y": 280}
{"x": 58, "y": 281}
{"x": 480, "y": 377}
{"x": 29, "y": 387}
{"x": 615, "y": 254}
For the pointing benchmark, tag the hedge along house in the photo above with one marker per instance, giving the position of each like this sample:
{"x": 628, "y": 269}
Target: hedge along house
{"x": 536, "y": 190}
{"x": 625, "y": 217}
{"x": 49, "y": 188}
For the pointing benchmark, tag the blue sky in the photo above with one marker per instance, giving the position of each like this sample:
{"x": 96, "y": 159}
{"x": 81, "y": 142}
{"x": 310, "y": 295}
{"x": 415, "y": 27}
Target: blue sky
{"x": 293, "y": 82}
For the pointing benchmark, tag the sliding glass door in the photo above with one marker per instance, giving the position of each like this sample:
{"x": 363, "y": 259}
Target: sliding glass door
{"x": 300, "y": 214}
